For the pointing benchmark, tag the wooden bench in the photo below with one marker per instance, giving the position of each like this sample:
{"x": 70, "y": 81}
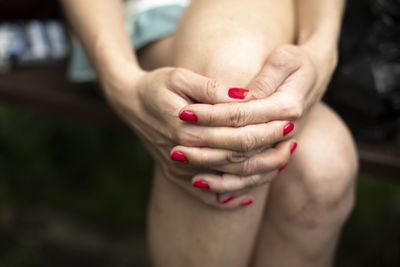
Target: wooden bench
{"x": 47, "y": 89}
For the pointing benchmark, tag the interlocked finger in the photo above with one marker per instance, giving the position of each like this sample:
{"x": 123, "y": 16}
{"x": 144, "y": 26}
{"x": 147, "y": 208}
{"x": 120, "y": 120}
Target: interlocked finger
{"x": 243, "y": 139}
{"x": 233, "y": 162}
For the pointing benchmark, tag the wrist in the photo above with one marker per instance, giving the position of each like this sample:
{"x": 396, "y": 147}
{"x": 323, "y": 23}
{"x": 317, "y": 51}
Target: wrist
{"x": 119, "y": 72}
{"x": 323, "y": 54}
{"x": 119, "y": 81}
{"x": 114, "y": 59}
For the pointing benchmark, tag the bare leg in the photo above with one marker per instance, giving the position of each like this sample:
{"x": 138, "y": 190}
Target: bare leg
{"x": 184, "y": 231}
{"x": 215, "y": 40}
{"x": 311, "y": 198}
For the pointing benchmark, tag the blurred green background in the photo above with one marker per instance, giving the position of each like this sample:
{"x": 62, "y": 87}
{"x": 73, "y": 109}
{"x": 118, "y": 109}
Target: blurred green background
{"x": 75, "y": 194}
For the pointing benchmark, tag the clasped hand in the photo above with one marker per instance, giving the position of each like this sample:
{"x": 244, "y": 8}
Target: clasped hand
{"x": 229, "y": 139}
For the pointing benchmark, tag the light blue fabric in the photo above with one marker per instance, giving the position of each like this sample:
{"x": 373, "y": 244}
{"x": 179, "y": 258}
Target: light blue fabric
{"x": 149, "y": 26}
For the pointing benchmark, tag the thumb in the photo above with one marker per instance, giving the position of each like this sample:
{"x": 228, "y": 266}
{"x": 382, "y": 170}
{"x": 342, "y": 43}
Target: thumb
{"x": 206, "y": 90}
{"x": 279, "y": 66}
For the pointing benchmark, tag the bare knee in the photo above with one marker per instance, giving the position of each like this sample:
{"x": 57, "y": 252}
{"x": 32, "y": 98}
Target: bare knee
{"x": 232, "y": 65}
{"x": 328, "y": 195}
{"x": 325, "y": 171}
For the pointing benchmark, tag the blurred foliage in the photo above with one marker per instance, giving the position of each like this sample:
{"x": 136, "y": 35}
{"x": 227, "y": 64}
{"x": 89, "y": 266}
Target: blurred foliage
{"x": 371, "y": 237}
{"x": 93, "y": 172}
{"x": 103, "y": 175}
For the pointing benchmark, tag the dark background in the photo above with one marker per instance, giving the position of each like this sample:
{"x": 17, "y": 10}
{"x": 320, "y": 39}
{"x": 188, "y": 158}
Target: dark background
{"x": 74, "y": 192}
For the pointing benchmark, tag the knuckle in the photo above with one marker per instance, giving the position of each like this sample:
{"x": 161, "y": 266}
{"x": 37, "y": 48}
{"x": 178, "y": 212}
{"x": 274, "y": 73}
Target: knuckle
{"x": 222, "y": 188}
{"x": 283, "y": 58}
{"x": 179, "y": 137}
{"x": 184, "y": 138}
{"x": 262, "y": 83}
{"x": 247, "y": 142}
{"x": 177, "y": 76}
{"x": 202, "y": 158}
{"x": 211, "y": 88}
{"x": 238, "y": 117}
{"x": 252, "y": 181}
{"x": 293, "y": 109}
{"x": 209, "y": 118}
{"x": 246, "y": 167}
{"x": 235, "y": 157}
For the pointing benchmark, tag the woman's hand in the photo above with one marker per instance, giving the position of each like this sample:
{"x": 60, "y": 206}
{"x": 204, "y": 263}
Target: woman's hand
{"x": 292, "y": 80}
{"x": 150, "y": 103}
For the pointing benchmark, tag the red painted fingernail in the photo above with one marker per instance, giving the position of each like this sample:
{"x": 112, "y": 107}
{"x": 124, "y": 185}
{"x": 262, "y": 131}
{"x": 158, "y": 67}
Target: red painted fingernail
{"x": 187, "y": 115}
{"x": 226, "y": 200}
{"x": 239, "y": 93}
{"x": 293, "y": 147}
{"x": 283, "y": 167}
{"x": 201, "y": 184}
{"x": 246, "y": 202}
{"x": 288, "y": 128}
{"x": 179, "y": 156}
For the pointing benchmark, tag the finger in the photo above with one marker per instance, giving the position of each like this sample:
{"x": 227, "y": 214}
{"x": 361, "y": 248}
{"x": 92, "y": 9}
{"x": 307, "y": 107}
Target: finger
{"x": 236, "y": 162}
{"x": 210, "y": 198}
{"x": 279, "y": 106}
{"x": 208, "y": 157}
{"x": 229, "y": 182}
{"x": 205, "y": 90}
{"x": 235, "y": 199}
{"x": 243, "y": 139}
{"x": 279, "y": 66}
{"x": 226, "y": 183}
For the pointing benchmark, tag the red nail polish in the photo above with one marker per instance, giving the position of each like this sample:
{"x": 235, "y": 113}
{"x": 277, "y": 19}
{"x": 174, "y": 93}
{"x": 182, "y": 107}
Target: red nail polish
{"x": 283, "y": 167}
{"x": 246, "y": 202}
{"x": 187, "y": 115}
{"x": 239, "y": 93}
{"x": 201, "y": 184}
{"x": 179, "y": 156}
{"x": 293, "y": 147}
{"x": 288, "y": 128}
{"x": 226, "y": 200}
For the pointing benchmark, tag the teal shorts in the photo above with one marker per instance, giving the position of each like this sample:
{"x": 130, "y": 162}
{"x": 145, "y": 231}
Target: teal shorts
{"x": 147, "y": 21}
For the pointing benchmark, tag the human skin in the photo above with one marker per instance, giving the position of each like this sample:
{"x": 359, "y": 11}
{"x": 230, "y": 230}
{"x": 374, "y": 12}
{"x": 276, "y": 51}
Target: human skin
{"x": 150, "y": 101}
{"x": 305, "y": 199}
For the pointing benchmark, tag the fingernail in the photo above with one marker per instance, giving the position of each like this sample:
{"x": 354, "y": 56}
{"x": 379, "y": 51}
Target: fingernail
{"x": 288, "y": 128}
{"x": 283, "y": 167}
{"x": 239, "y": 93}
{"x": 226, "y": 200}
{"x": 201, "y": 184}
{"x": 246, "y": 202}
{"x": 187, "y": 115}
{"x": 179, "y": 156}
{"x": 293, "y": 148}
